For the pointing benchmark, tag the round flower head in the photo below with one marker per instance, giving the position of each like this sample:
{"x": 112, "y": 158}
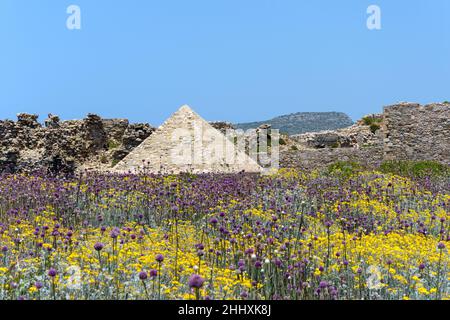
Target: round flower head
{"x": 196, "y": 281}
{"x": 98, "y": 246}
{"x": 153, "y": 273}
{"x": 4, "y": 248}
{"x": 143, "y": 275}
{"x": 159, "y": 258}
{"x": 441, "y": 245}
{"x": 115, "y": 233}
{"x": 323, "y": 284}
{"x": 52, "y": 272}
{"x": 278, "y": 262}
{"x": 38, "y": 285}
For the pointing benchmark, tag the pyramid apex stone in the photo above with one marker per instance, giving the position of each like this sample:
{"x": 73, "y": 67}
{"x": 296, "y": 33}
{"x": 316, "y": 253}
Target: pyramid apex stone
{"x": 185, "y": 108}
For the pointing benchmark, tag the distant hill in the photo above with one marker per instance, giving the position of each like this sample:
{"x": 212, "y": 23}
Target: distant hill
{"x": 302, "y": 122}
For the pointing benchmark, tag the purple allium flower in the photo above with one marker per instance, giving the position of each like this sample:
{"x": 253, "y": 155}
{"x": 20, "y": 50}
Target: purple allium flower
{"x": 249, "y": 251}
{"x": 143, "y": 275}
{"x": 213, "y": 221}
{"x": 115, "y": 233}
{"x": 38, "y": 285}
{"x": 321, "y": 269}
{"x": 159, "y": 258}
{"x": 441, "y": 246}
{"x": 277, "y": 262}
{"x": 421, "y": 266}
{"x": 98, "y": 246}
{"x": 52, "y": 272}
{"x": 196, "y": 281}
{"x": 4, "y": 248}
{"x": 244, "y": 294}
{"x": 323, "y": 284}
{"x": 153, "y": 273}
{"x": 258, "y": 264}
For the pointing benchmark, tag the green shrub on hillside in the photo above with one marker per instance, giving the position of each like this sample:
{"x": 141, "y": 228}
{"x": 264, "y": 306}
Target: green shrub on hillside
{"x": 344, "y": 168}
{"x": 374, "y": 128}
{"x": 369, "y": 120}
{"x": 416, "y": 169}
{"x": 112, "y": 144}
{"x": 373, "y": 122}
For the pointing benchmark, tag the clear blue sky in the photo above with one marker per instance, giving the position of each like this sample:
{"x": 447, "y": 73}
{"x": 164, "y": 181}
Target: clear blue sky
{"x": 235, "y": 60}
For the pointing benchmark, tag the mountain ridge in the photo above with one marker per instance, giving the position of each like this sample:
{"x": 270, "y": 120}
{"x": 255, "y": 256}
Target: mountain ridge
{"x": 303, "y": 122}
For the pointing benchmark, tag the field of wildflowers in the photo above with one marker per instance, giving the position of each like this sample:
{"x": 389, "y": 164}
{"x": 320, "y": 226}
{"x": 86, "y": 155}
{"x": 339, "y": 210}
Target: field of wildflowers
{"x": 290, "y": 235}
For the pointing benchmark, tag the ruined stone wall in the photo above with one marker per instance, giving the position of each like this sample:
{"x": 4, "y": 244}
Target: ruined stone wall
{"x": 408, "y": 132}
{"x": 64, "y": 146}
{"x": 321, "y": 158}
{"x": 415, "y": 132}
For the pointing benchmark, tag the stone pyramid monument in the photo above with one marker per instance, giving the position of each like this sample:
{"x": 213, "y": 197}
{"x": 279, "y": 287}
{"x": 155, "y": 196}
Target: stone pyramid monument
{"x": 187, "y": 143}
